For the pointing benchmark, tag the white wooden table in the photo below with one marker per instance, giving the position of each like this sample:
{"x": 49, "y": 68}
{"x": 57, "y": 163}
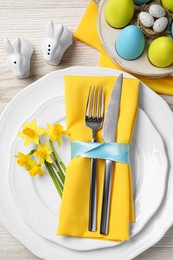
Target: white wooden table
{"x": 27, "y": 18}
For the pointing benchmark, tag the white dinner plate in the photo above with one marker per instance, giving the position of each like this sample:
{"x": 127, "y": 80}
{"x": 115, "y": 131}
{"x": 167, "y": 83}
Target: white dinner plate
{"x": 162, "y": 119}
{"x": 38, "y": 201}
{"x": 140, "y": 66}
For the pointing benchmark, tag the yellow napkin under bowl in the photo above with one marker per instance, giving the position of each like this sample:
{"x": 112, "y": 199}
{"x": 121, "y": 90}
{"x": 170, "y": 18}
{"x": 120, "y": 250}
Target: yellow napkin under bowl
{"x": 87, "y": 32}
{"x": 74, "y": 210}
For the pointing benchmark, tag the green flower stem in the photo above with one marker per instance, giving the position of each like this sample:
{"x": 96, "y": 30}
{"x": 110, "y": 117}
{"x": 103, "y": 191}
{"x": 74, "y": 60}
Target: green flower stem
{"x": 32, "y": 151}
{"x": 56, "y": 172}
{"x": 54, "y": 178}
{"x": 57, "y": 157}
{"x": 59, "y": 172}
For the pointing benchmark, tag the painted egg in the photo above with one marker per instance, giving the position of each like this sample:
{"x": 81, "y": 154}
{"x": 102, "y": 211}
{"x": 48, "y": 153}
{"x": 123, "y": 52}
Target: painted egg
{"x": 160, "y": 24}
{"x": 160, "y": 52}
{"x": 168, "y": 4}
{"x": 130, "y": 43}
{"x": 146, "y": 19}
{"x": 157, "y": 11}
{"x": 172, "y": 29}
{"x": 140, "y": 2}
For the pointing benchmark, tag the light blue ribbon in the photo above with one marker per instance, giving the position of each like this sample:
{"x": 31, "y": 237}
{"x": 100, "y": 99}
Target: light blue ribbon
{"x": 117, "y": 152}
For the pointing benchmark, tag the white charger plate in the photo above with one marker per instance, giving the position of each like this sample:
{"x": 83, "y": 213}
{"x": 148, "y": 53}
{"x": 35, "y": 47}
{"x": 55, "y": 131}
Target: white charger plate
{"x": 37, "y": 199}
{"x": 162, "y": 118}
{"x": 140, "y": 66}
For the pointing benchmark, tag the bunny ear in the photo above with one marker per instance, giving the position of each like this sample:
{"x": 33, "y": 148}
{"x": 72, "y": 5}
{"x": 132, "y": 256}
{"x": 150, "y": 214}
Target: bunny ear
{"x": 17, "y": 45}
{"x": 8, "y": 47}
{"x": 50, "y": 29}
{"x": 59, "y": 31}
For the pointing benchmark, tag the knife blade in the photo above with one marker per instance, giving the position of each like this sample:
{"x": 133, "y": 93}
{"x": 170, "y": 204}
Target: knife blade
{"x": 109, "y": 135}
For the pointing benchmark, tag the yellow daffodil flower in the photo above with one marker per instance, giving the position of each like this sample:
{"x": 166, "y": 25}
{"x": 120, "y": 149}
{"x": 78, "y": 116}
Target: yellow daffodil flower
{"x": 55, "y": 132}
{"x": 36, "y": 169}
{"x": 43, "y": 153}
{"x": 31, "y": 132}
{"x": 22, "y": 159}
{"x": 30, "y": 164}
{"x": 40, "y": 154}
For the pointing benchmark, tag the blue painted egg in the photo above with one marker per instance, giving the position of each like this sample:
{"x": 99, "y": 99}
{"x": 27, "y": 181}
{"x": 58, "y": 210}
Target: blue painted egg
{"x": 141, "y": 2}
{"x": 172, "y": 29}
{"x": 130, "y": 43}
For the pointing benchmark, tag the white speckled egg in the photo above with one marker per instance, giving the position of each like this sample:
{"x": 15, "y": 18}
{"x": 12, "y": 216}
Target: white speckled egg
{"x": 160, "y": 24}
{"x": 157, "y": 11}
{"x": 146, "y": 19}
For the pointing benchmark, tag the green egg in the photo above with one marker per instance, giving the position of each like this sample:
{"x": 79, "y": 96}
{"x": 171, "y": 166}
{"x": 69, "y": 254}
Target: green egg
{"x": 118, "y": 14}
{"x": 160, "y": 52}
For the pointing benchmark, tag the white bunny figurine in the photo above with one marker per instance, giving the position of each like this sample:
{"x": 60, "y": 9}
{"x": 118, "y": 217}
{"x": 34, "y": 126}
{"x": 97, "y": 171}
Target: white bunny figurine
{"x": 19, "y": 52}
{"x": 58, "y": 40}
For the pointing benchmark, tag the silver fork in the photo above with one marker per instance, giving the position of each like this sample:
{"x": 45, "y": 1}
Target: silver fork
{"x": 94, "y": 120}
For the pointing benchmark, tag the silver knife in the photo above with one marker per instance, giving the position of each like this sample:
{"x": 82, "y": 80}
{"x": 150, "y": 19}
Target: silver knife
{"x": 109, "y": 135}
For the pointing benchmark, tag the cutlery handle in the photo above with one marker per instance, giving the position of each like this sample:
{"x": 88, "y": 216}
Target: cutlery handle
{"x": 107, "y": 187}
{"x": 93, "y": 196}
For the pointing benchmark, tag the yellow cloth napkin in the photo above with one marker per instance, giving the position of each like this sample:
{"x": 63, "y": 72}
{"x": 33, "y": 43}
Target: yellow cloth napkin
{"x": 73, "y": 219}
{"x": 87, "y": 32}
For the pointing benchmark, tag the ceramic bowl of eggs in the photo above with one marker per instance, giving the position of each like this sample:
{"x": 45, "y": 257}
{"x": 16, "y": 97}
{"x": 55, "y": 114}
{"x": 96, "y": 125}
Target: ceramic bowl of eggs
{"x": 138, "y": 35}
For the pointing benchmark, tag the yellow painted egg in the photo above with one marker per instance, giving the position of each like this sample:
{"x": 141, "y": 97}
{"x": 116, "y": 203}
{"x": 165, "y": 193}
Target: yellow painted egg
{"x": 168, "y": 4}
{"x": 118, "y": 14}
{"x": 160, "y": 52}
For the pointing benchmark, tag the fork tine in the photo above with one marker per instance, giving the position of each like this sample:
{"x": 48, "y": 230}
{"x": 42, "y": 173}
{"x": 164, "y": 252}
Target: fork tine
{"x": 93, "y": 102}
{"x": 88, "y": 103}
{"x": 102, "y": 103}
{"x": 98, "y": 103}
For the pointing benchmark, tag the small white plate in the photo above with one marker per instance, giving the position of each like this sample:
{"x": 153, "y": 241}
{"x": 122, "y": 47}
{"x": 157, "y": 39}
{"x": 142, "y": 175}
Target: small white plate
{"x": 38, "y": 201}
{"x": 19, "y": 108}
{"x": 140, "y": 66}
